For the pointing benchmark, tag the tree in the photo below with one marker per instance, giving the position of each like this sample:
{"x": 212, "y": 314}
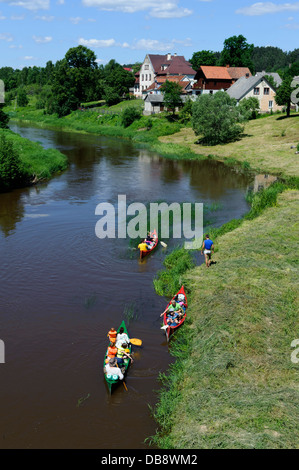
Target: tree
{"x": 237, "y": 52}
{"x": 4, "y": 118}
{"x": 216, "y": 118}
{"x": 172, "y": 95}
{"x": 22, "y": 98}
{"x": 130, "y": 115}
{"x": 202, "y": 58}
{"x": 12, "y": 173}
{"x": 283, "y": 94}
{"x": 81, "y": 57}
{"x": 249, "y": 107}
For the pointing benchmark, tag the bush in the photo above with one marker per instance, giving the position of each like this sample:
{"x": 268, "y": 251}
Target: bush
{"x": 22, "y": 99}
{"x": 216, "y": 118}
{"x": 129, "y": 116}
{"x": 12, "y": 173}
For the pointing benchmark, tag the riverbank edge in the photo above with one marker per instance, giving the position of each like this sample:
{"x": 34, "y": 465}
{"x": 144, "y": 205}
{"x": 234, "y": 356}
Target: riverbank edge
{"x": 37, "y": 164}
{"x": 139, "y": 137}
{"x": 224, "y": 349}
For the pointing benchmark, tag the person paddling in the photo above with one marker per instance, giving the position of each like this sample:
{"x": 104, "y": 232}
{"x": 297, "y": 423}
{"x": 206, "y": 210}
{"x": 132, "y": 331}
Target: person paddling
{"x": 207, "y": 248}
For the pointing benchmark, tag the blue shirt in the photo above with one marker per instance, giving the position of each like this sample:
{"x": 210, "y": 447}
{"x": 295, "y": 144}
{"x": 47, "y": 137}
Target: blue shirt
{"x": 208, "y": 244}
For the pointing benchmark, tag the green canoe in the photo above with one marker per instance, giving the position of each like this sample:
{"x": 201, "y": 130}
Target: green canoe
{"x": 112, "y": 383}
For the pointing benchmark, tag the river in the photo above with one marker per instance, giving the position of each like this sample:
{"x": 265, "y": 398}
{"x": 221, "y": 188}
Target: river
{"x": 62, "y": 289}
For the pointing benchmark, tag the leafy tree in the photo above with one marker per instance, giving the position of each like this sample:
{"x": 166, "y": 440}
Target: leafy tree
{"x": 22, "y": 98}
{"x": 172, "y": 95}
{"x": 283, "y": 94}
{"x": 4, "y": 118}
{"x": 216, "y": 118}
{"x": 111, "y": 96}
{"x": 249, "y": 107}
{"x": 271, "y": 81}
{"x": 186, "y": 111}
{"x": 202, "y": 58}
{"x": 237, "y": 52}
{"x": 12, "y": 173}
{"x": 64, "y": 91}
{"x": 81, "y": 57}
{"x": 130, "y": 115}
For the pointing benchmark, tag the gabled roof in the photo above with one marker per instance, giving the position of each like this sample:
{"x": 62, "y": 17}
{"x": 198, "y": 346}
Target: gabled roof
{"x": 212, "y": 72}
{"x": 242, "y": 86}
{"x": 176, "y": 64}
{"x": 275, "y": 76}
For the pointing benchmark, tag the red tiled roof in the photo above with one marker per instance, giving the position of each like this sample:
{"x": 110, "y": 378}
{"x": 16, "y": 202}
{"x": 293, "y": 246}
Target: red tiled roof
{"x": 238, "y": 72}
{"x": 215, "y": 73}
{"x": 176, "y": 65}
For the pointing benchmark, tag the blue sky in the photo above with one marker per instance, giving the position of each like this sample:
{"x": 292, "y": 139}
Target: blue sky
{"x": 35, "y": 31}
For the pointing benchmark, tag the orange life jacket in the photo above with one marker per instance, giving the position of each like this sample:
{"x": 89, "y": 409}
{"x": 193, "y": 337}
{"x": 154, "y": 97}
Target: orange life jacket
{"x": 112, "y": 351}
{"x": 112, "y": 335}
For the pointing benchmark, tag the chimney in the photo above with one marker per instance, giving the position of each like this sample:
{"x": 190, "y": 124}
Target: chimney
{"x": 247, "y": 75}
{"x": 227, "y": 66}
{"x": 169, "y": 56}
{"x": 175, "y": 54}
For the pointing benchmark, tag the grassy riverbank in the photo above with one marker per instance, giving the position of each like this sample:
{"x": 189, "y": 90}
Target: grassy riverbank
{"x": 265, "y": 146}
{"x": 233, "y": 384}
{"x": 36, "y": 163}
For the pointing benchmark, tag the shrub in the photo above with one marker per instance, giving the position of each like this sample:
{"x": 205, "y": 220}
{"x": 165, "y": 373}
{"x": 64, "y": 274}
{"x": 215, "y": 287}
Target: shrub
{"x": 12, "y": 173}
{"x": 216, "y": 118}
{"x": 130, "y": 115}
{"x": 22, "y": 99}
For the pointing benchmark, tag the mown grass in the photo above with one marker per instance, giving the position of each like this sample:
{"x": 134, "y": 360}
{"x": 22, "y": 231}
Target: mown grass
{"x": 38, "y": 163}
{"x": 265, "y": 145}
{"x": 233, "y": 384}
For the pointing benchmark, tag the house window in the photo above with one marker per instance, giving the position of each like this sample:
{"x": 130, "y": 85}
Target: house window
{"x": 256, "y": 91}
{"x": 150, "y": 77}
{"x": 146, "y": 67}
{"x": 270, "y": 104}
{"x": 266, "y": 91}
{"x": 142, "y": 77}
{"x": 146, "y": 77}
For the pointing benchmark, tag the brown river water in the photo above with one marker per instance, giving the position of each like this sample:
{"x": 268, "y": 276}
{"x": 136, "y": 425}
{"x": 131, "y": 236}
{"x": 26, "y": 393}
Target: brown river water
{"x": 62, "y": 289}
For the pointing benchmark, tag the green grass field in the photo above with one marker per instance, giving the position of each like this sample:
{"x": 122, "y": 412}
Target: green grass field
{"x": 233, "y": 384}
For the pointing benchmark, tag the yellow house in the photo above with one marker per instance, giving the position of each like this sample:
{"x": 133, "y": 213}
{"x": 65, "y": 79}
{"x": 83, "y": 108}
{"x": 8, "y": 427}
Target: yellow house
{"x": 257, "y": 87}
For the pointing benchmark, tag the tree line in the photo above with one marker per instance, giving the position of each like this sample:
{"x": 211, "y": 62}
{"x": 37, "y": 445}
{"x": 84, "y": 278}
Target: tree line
{"x": 63, "y": 86}
{"x": 237, "y": 52}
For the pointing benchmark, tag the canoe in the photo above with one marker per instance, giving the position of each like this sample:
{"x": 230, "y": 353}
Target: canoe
{"x": 112, "y": 382}
{"x": 171, "y": 329}
{"x": 143, "y": 254}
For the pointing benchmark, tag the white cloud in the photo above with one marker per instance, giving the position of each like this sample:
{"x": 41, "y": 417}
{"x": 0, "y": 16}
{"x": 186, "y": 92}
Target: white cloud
{"x": 141, "y": 44}
{"x": 28, "y": 57}
{"x": 76, "y": 20}
{"x": 45, "y": 18}
{"x": 97, "y": 42}
{"x": 14, "y": 46}
{"x": 159, "y": 46}
{"x": 156, "y": 8}
{"x": 29, "y": 4}
{"x": 6, "y": 37}
{"x": 17, "y": 18}
{"x": 42, "y": 40}
{"x": 263, "y": 8}
{"x": 2, "y": 17}
{"x": 292, "y": 26}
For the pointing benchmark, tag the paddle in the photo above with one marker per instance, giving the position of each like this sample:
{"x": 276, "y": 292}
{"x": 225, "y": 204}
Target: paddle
{"x": 136, "y": 341}
{"x": 125, "y": 385}
{"x": 163, "y": 244}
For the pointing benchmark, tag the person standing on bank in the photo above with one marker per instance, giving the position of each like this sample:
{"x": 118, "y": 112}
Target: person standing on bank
{"x": 207, "y": 248}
